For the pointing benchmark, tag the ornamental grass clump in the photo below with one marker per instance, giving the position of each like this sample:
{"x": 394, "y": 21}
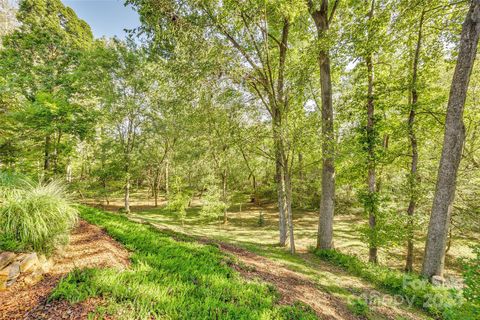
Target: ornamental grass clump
{"x": 39, "y": 216}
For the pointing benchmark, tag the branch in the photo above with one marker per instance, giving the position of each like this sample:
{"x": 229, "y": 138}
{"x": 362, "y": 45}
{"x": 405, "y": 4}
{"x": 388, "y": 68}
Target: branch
{"x": 335, "y": 4}
{"x": 281, "y": 63}
{"x": 264, "y": 31}
{"x": 234, "y": 42}
{"x": 446, "y": 5}
{"x": 267, "y": 106}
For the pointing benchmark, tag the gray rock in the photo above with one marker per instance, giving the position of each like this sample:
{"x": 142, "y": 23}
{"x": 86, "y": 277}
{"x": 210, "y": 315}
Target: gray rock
{"x": 29, "y": 262}
{"x": 438, "y": 281}
{"x": 6, "y": 258}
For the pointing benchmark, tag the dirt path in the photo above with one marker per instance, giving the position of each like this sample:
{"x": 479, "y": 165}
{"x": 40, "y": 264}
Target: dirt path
{"x": 89, "y": 247}
{"x": 317, "y": 285}
{"x": 291, "y": 285}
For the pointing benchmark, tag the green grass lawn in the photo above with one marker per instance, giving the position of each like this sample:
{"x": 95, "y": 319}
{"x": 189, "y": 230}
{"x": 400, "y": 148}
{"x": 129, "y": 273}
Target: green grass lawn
{"x": 245, "y": 231}
{"x": 172, "y": 278}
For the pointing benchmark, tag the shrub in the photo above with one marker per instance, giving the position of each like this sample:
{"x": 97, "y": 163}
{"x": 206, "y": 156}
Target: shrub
{"x": 178, "y": 204}
{"x": 179, "y": 200}
{"x": 37, "y": 216}
{"x": 438, "y": 301}
{"x": 7, "y": 243}
{"x": 471, "y": 275}
{"x": 261, "y": 219}
{"x": 213, "y": 206}
{"x": 359, "y": 307}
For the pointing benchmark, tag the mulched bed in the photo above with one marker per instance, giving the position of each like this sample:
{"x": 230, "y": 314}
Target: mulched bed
{"x": 89, "y": 247}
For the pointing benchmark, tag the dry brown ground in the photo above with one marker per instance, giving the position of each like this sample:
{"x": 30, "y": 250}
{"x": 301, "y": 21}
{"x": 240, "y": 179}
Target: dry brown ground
{"x": 291, "y": 285}
{"x": 89, "y": 247}
{"x": 297, "y": 286}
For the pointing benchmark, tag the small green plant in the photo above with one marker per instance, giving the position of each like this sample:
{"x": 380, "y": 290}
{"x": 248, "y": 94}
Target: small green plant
{"x": 213, "y": 206}
{"x": 35, "y": 216}
{"x": 261, "y": 219}
{"x": 75, "y": 287}
{"x": 179, "y": 200}
{"x": 359, "y": 307}
{"x": 178, "y": 204}
{"x": 7, "y": 243}
{"x": 298, "y": 311}
{"x": 438, "y": 301}
{"x": 471, "y": 274}
{"x": 471, "y": 292}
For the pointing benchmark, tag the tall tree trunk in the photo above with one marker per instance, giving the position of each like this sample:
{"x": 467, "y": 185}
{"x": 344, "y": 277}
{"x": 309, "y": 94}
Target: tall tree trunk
{"x": 46, "y": 161}
{"x": 279, "y": 108}
{"x": 68, "y": 170}
{"x": 55, "y": 151}
{"x": 104, "y": 183}
{"x": 413, "y": 179}
{"x": 379, "y": 180}
{"x": 371, "y": 157}
{"x": 127, "y": 188}
{"x": 156, "y": 178}
{"x": 454, "y": 138}
{"x": 283, "y": 101}
{"x": 151, "y": 180}
{"x": 280, "y": 182}
{"x": 276, "y": 103}
{"x": 224, "y": 195}
{"x": 373, "y": 250}
{"x": 301, "y": 173}
{"x": 167, "y": 164}
{"x": 254, "y": 186}
{"x": 288, "y": 192}
{"x": 327, "y": 201}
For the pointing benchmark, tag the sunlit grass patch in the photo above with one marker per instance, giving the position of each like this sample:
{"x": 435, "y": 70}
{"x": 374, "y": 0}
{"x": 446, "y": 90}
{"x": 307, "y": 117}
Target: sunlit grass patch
{"x": 172, "y": 278}
{"x": 440, "y": 302}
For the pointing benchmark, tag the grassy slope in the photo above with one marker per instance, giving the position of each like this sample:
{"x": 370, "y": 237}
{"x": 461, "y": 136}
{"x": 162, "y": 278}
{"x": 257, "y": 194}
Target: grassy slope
{"x": 172, "y": 278}
{"x": 244, "y": 232}
{"x": 327, "y": 276}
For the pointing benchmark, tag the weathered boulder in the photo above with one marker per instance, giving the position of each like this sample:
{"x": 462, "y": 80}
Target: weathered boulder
{"x": 30, "y": 265}
{"x": 9, "y": 275}
{"x": 44, "y": 264}
{"x": 3, "y": 281}
{"x": 33, "y": 278}
{"x": 11, "y": 271}
{"x": 29, "y": 262}
{"x": 438, "y": 281}
{"x": 6, "y": 258}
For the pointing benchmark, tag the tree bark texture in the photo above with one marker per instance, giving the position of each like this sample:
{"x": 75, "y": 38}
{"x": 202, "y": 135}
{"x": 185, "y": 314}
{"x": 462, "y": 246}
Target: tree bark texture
{"x": 327, "y": 200}
{"x": 454, "y": 138}
{"x": 413, "y": 179}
